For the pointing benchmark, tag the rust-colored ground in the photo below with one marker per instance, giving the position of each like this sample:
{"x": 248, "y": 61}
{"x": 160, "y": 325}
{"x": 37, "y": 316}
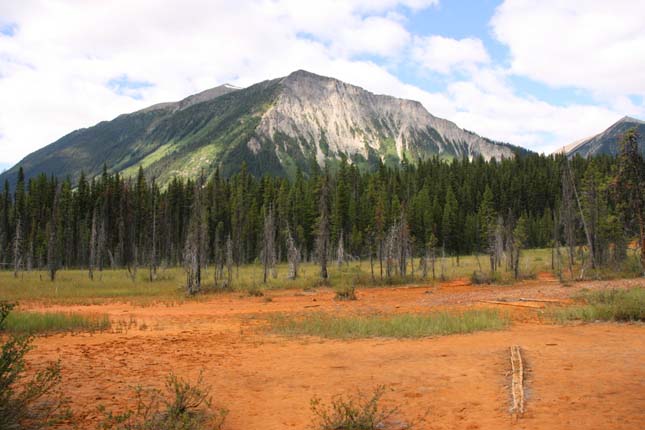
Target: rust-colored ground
{"x": 580, "y": 376}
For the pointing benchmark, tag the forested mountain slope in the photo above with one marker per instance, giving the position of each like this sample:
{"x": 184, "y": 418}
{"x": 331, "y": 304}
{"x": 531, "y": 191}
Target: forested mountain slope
{"x": 275, "y": 127}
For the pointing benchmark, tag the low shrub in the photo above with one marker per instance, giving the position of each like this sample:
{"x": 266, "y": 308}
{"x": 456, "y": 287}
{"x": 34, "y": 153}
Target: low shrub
{"x": 182, "y": 407}
{"x": 354, "y": 412}
{"x": 345, "y": 293}
{"x": 255, "y": 291}
{"x": 480, "y": 278}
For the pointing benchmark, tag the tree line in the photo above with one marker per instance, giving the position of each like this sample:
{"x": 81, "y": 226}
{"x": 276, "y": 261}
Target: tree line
{"x": 390, "y": 216}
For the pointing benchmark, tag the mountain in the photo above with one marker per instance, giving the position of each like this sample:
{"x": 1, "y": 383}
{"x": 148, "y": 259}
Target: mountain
{"x": 275, "y": 126}
{"x": 607, "y": 141}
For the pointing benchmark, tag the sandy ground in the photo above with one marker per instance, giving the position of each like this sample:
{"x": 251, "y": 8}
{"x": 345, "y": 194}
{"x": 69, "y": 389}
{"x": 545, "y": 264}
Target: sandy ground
{"x": 579, "y": 376}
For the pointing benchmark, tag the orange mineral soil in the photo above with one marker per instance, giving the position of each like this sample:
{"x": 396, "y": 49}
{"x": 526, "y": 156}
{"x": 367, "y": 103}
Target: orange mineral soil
{"x": 578, "y": 376}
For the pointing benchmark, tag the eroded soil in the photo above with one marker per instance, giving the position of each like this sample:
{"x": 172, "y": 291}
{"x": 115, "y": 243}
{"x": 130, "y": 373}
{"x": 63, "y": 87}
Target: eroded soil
{"x": 587, "y": 376}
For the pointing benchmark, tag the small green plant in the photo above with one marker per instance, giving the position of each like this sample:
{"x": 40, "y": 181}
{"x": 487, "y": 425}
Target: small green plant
{"x": 183, "y": 407}
{"x": 26, "y": 404}
{"x": 355, "y": 412}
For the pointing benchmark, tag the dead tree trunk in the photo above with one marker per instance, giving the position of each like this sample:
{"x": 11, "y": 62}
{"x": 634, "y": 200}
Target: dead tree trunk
{"x": 340, "y": 253}
{"x": 268, "y": 244}
{"x": 293, "y": 255}
{"x": 17, "y": 249}
{"x": 322, "y": 238}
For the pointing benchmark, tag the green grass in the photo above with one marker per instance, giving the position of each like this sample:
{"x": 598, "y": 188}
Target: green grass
{"x": 606, "y": 305}
{"x": 74, "y": 286}
{"x": 51, "y": 322}
{"x": 398, "y": 326}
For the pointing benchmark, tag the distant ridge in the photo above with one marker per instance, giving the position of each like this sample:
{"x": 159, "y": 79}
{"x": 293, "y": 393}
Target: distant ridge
{"x": 607, "y": 141}
{"x": 274, "y": 127}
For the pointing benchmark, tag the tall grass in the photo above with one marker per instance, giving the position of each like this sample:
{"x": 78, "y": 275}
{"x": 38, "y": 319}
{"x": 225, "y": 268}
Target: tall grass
{"x": 51, "y": 322}
{"x": 606, "y": 305}
{"x": 398, "y": 326}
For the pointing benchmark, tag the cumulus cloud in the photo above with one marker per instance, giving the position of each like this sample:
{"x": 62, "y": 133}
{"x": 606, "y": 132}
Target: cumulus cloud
{"x": 443, "y": 54}
{"x": 597, "y": 45}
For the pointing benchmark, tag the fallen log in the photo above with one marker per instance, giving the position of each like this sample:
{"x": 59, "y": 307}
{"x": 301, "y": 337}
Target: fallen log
{"x": 517, "y": 382}
{"x": 519, "y": 305}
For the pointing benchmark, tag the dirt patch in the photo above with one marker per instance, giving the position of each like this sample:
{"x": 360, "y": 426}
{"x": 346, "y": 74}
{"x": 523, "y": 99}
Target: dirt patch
{"x": 582, "y": 376}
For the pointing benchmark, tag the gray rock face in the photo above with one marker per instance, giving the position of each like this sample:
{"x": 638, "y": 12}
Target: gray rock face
{"x": 328, "y": 117}
{"x": 607, "y": 141}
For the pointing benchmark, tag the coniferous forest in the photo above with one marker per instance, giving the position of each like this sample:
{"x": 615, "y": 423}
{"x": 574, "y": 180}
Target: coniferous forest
{"x": 389, "y": 215}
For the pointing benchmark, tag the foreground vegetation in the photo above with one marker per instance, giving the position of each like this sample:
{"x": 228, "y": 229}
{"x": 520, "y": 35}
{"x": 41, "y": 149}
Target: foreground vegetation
{"x": 26, "y": 403}
{"x": 606, "y": 305}
{"x": 396, "y": 326}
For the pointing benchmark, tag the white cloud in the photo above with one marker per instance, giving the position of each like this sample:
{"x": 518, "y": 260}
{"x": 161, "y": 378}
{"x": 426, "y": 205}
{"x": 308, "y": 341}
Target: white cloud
{"x": 494, "y": 110}
{"x": 443, "y": 54}
{"x": 597, "y": 45}
{"x": 58, "y": 69}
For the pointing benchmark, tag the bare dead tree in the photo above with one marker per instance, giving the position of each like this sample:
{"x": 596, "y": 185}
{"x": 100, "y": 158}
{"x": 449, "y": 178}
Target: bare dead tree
{"x": 195, "y": 248}
{"x": 93, "y": 245}
{"x": 268, "y": 253}
{"x": 52, "y": 245}
{"x": 403, "y": 233}
{"x": 581, "y": 213}
{"x": 391, "y": 248}
{"x": 153, "y": 265}
{"x": 293, "y": 255}
{"x": 322, "y": 236}
{"x": 18, "y": 254}
{"x": 218, "y": 258}
{"x": 496, "y": 243}
{"x": 340, "y": 252}
{"x": 133, "y": 263}
{"x": 568, "y": 219}
{"x": 229, "y": 261}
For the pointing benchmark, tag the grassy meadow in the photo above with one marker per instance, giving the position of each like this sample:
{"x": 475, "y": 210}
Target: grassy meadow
{"x": 605, "y": 305}
{"x": 19, "y": 322}
{"x": 396, "y": 326}
{"x": 75, "y": 287}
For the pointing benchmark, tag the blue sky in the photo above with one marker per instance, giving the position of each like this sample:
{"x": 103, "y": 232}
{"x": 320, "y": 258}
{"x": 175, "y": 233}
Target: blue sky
{"x": 536, "y": 74}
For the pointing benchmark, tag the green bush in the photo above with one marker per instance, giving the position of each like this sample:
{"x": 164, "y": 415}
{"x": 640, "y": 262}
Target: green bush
{"x": 26, "y": 404}
{"x": 182, "y": 407}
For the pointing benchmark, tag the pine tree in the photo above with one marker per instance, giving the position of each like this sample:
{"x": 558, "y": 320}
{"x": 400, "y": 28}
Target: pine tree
{"x": 629, "y": 186}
